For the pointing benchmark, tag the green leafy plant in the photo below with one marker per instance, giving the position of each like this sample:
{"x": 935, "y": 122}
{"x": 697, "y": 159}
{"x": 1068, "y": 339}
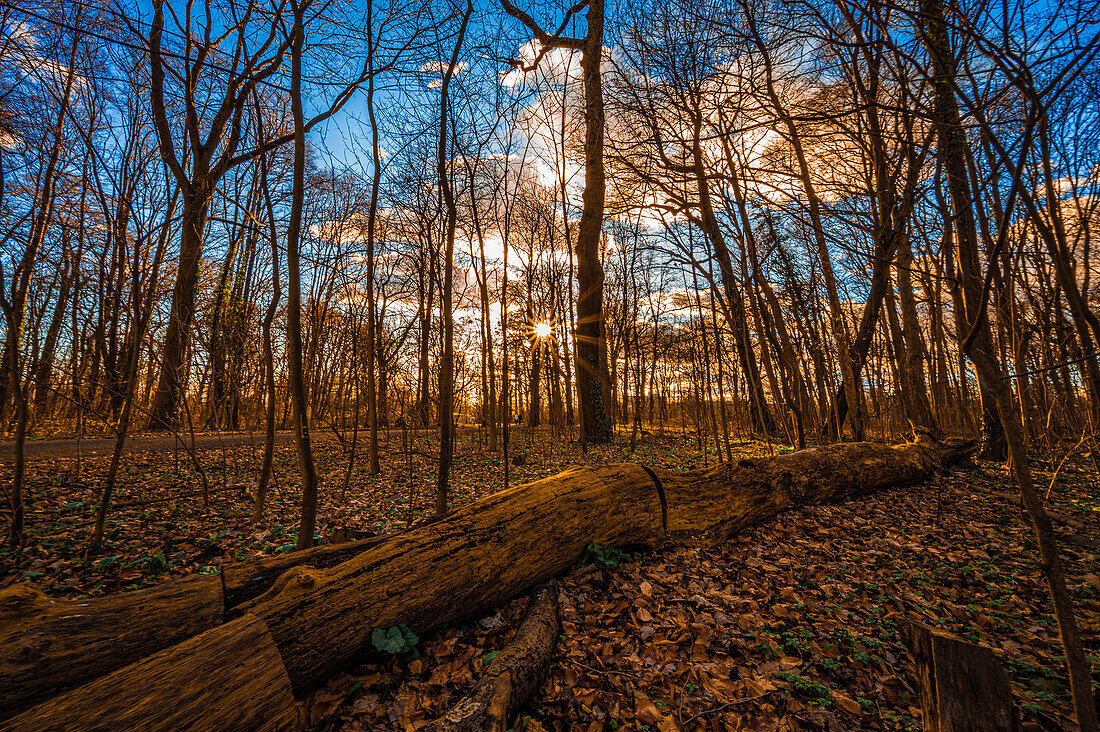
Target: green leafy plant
{"x": 814, "y": 691}
{"x": 158, "y": 563}
{"x": 397, "y": 640}
{"x": 604, "y": 556}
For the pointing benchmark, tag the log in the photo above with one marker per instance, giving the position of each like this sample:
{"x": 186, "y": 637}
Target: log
{"x": 243, "y": 581}
{"x": 436, "y": 574}
{"x": 229, "y": 678}
{"x": 963, "y": 687}
{"x": 514, "y": 674}
{"x": 709, "y": 506}
{"x": 477, "y": 558}
{"x": 490, "y": 552}
{"x": 48, "y": 645}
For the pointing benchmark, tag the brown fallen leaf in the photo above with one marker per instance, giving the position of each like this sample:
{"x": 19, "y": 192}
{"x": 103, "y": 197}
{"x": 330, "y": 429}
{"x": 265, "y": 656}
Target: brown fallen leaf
{"x": 847, "y": 703}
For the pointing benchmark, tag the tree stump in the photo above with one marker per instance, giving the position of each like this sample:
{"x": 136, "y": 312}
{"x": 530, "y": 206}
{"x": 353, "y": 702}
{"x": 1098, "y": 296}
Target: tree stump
{"x": 963, "y": 687}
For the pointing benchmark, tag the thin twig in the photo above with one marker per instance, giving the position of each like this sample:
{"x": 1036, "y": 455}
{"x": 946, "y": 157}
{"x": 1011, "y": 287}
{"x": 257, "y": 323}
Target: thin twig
{"x": 727, "y": 705}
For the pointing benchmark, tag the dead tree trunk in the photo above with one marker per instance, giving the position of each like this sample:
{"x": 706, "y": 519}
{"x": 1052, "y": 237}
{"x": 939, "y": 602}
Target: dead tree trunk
{"x": 52, "y": 645}
{"x": 487, "y": 553}
{"x": 228, "y": 678}
{"x": 470, "y": 562}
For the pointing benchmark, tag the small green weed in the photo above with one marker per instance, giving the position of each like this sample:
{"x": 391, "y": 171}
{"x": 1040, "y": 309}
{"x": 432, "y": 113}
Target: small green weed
{"x": 396, "y": 641}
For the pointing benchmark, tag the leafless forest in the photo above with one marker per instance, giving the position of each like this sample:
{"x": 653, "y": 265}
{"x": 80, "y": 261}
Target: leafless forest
{"x": 791, "y": 222}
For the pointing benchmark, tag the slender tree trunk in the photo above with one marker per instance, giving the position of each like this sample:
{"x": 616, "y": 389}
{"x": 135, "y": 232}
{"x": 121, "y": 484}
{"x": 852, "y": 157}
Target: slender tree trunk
{"x": 760, "y": 414}
{"x": 299, "y": 390}
{"x": 952, "y": 143}
{"x": 920, "y": 409}
{"x": 446, "y": 366}
{"x": 593, "y": 385}
{"x": 372, "y": 218}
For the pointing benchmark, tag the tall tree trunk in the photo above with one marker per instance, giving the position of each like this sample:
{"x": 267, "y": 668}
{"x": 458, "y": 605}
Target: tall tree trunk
{"x": 593, "y": 384}
{"x": 44, "y": 369}
{"x": 917, "y": 403}
{"x": 372, "y": 219}
{"x": 173, "y": 372}
{"x": 299, "y": 391}
{"x": 760, "y": 413}
{"x": 446, "y": 365}
{"x": 952, "y": 144}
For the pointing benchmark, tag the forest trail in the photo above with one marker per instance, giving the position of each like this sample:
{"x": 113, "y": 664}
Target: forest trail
{"x": 99, "y": 446}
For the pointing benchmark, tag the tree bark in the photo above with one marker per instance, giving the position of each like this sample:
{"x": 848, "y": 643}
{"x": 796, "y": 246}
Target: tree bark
{"x": 447, "y": 363}
{"x": 513, "y": 676}
{"x": 48, "y": 645}
{"x": 485, "y": 554}
{"x": 299, "y": 389}
{"x": 228, "y": 678}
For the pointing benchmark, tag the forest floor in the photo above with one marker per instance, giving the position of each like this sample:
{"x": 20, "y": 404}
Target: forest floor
{"x": 793, "y": 624}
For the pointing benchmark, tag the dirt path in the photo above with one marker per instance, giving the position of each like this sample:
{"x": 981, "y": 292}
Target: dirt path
{"x": 56, "y": 449}
{"x": 60, "y": 449}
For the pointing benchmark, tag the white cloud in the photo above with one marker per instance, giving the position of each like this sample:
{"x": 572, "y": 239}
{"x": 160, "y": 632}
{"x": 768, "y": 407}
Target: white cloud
{"x": 557, "y": 65}
{"x": 439, "y": 67}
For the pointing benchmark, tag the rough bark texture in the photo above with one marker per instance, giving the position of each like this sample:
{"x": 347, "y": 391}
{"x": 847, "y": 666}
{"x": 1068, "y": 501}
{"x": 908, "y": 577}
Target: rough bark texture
{"x": 497, "y": 549}
{"x": 438, "y": 574}
{"x": 962, "y": 685}
{"x": 714, "y": 504}
{"x": 242, "y": 581}
{"x": 593, "y": 384}
{"x": 474, "y": 560}
{"x": 48, "y": 646}
{"x": 228, "y": 678}
{"x": 514, "y": 674}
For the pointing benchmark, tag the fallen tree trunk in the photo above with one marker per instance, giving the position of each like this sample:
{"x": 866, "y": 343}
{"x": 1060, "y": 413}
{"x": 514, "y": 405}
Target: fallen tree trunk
{"x": 243, "y": 581}
{"x": 477, "y": 558}
{"x": 710, "y": 506}
{"x": 228, "y": 678}
{"x": 513, "y": 675}
{"x": 438, "y": 574}
{"x": 500, "y": 547}
{"x": 48, "y": 646}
